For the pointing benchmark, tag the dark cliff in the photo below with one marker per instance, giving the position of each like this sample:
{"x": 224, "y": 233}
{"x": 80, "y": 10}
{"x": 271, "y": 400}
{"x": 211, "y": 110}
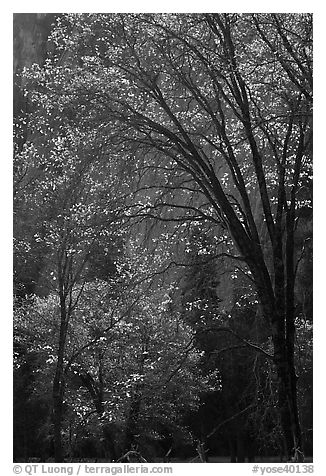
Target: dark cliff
{"x": 30, "y": 45}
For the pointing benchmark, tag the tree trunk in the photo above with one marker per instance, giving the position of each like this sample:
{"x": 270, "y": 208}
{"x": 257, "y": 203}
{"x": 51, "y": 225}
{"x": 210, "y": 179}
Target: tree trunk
{"x": 58, "y": 390}
{"x": 275, "y": 308}
{"x": 240, "y": 448}
{"x": 287, "y": 402}
{"x": 286, "y": 379}
{"x": 96, "y": 391}
{"x": 57, "y": 422}
{"x": 132, "y": 425}
{"x": 132, "y": 421}
{"x": 233, "y": 452}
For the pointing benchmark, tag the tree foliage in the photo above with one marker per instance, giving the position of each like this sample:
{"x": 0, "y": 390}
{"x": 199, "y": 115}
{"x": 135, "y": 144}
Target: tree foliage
{"x": 163, "y": 217}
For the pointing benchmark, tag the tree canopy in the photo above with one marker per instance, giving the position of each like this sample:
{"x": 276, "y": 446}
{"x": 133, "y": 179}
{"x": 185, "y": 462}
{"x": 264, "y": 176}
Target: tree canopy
{"x": 163, "y": 197}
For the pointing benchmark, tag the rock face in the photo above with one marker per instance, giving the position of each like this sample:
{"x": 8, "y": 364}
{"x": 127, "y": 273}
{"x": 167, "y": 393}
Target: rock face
{"x": 30, "y": 45}
{"x": 30, "y": 34}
